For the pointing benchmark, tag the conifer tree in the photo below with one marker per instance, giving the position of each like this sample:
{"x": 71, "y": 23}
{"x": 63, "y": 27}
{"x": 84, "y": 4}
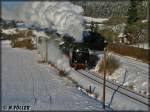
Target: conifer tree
{"x": 132, "y": 12}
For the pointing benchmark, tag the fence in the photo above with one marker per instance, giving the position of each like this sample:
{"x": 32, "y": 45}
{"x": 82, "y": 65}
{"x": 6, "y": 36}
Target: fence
{"x": 139, "y": 53}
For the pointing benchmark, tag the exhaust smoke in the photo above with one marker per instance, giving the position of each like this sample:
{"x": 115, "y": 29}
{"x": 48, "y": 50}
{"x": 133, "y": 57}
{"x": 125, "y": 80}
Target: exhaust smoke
{"x": 64, "y": 17}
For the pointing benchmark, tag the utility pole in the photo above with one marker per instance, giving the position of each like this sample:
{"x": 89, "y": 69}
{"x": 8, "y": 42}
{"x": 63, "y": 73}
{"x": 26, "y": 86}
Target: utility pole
{"x": 46, "y": 43}
{"x": 104, "y": 82}
{"x": 36, "y": 38}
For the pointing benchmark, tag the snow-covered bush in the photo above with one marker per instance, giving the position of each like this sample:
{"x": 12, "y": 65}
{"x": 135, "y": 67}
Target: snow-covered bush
{"x": 111, "y": 64}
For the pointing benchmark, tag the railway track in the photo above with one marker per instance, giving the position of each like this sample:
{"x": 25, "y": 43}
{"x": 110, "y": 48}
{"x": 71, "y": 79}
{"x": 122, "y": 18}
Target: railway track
{"x": 116, "y": 87}
{"x": 119, "y": 85}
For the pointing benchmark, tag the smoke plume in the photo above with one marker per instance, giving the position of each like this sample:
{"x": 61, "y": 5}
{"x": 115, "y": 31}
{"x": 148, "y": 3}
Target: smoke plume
{"x": 64, "y": 17}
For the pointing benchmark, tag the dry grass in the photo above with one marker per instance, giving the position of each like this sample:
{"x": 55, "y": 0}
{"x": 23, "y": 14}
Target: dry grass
{"x": 23, "y": 43}
{"x": 131, "y": 87}
{"x": 62, "y": 73}
{"x": 111, "y": 65}
{"x": 22, "y": 39}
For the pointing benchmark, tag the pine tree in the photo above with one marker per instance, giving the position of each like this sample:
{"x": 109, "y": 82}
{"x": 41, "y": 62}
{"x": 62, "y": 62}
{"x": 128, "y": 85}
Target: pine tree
{"x": 94, "y": 27}
{"x": 132, "y": 12}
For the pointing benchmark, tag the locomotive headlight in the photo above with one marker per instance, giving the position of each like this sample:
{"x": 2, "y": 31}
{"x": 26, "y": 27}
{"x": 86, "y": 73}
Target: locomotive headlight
{"x": 77, "y": 50}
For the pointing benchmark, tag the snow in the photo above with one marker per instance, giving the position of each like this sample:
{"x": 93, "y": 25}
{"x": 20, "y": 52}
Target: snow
{"x": 121, "y": 35}
{"x": 137, "y": 73}
{"x": 144, "y": 21}
{"x": 142, "y": 45}
{"x": 39, "y": 33}
{"x": 119, "y": 102}
{"x": 9, "y": 31}
{"x": 26, "y": 82}
{"x": 99, "y": 20}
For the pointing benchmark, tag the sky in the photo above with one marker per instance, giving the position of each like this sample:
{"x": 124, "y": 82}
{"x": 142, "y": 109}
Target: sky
{"x": 10, "y": 5}
{"x": 9, "y": 8}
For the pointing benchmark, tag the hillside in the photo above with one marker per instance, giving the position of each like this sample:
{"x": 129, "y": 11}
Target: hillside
{"x": 106, "y": 8}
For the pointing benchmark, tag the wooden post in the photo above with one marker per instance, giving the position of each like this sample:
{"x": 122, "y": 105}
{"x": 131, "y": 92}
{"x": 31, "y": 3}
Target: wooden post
{"x": 104, "y": 82}
{"x": 36, "y": 42}
{"x": 46, "y": 43}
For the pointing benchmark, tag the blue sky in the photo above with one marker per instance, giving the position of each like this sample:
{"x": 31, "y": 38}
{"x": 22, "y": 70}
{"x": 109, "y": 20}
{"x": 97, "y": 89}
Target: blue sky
{"x": 10, "y": 5}
{"x": 9, "y": 8}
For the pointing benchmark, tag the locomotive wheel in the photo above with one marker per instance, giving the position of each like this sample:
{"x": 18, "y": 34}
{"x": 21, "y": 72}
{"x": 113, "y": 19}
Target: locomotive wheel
{"x": 83, "y": 67}
{"x": 76, "y": 68}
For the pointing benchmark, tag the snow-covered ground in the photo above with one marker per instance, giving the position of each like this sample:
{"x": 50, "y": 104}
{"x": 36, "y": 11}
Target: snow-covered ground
{"x": 9, "y": 31}
{"x": 119, "y": 102}
{"x": 137, "y": 73}
{"x": 26, "y": 82}
{"x": 99, "y": 20}
{"x": 142, "y": 45}
{"x": 39, "y": 33}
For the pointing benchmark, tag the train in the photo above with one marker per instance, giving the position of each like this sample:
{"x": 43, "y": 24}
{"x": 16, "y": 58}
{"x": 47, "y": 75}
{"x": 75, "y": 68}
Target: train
{"x": 78, "y": 53}
{"x": 79, "y": 58}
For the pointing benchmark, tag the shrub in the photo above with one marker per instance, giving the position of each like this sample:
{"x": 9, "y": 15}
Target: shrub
{"x": 111, "y": 65}
{"x": 22, "y": 43}
{"x": 131, "y": 86}
{"x": 114, "y": 20}
{"x": 62, "y": 73}
{"x": 109, "y": 34}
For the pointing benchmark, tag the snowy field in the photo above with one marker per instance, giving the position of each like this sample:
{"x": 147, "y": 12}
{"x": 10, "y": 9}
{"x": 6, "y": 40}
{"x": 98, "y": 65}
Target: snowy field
{"x": 26, "y": 82}
{"x": 40, "y": 99}
{"x": 137, "y": 73}
{"x": 119, "y": 102}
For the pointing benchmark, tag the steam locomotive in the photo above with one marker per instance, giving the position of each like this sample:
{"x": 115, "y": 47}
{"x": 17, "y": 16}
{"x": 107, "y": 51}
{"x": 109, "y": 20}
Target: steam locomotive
{"x": 79, "y": 58}
{"x": 78, "y": 53}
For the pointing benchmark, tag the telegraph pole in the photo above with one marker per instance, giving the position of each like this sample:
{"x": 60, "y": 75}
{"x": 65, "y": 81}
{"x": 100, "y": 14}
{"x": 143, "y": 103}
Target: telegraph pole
{"x": 36, "y": 42}
{"x": 104, "y": 82}
{"x": 46, "y": 43}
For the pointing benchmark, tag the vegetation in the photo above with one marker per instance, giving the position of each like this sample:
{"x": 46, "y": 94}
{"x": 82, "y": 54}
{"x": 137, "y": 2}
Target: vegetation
{"x": 94, "y": 27}
{"x": 109, "y": 35}
{"x": 131, "y": 87}
{"x": 103, "y": 8}
{"x": 115, "y": 20}
{"x": 62, "y": 73}
{"x": 4, "y": 36}
{"x": 111, "y": 64}
{"x": 136, "y": 30}
{"x": 7, "y": 24}
{"x": 22, "y": 39}
{"x": 23, "y": 43}
{"x": 132, "y": 12}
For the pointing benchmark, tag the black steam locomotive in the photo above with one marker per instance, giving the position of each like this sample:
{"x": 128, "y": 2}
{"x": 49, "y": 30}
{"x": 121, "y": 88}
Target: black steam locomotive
{"x": 78, "y": 53}
{"x": 79, "y": 58}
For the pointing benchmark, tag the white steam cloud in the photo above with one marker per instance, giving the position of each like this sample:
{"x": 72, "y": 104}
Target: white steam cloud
{"x": 65, "y": 17}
